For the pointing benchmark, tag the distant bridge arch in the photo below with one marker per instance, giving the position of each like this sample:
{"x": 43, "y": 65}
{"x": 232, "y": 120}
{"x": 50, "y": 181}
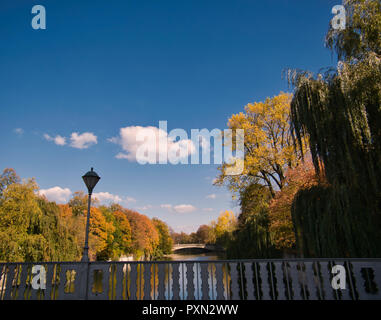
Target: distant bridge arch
{"x": 203, "y": 246}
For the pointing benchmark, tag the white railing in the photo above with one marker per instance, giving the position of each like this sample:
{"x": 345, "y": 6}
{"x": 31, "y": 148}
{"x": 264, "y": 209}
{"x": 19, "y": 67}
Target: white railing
{"x": 285, "y": 279}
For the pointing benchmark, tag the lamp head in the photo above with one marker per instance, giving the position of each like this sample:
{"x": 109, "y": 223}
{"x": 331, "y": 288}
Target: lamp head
{"x": 91, "y": 179}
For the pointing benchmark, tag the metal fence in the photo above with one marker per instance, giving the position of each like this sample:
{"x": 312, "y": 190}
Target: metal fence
{"x": 291, "y": 279}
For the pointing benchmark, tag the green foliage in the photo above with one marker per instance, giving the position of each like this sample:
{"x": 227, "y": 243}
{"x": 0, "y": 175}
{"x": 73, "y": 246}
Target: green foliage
{"x": 362, "y": 32}
{"x": 7, "y": 178}
{"x": 34, "y": 229}
{"x": 78, "y": 203}
{"x": 165, "y": 241}
{"x": 269, "y": 147}
{"x": 30, "y": 227}
{"x": 204, "y": 234}
{"x": 145, "y": 237}
{"x": 223, "y": 228}
{"x": 62, "y": 243}
{"x": 252, "y": 238}
{"x": 340, "y": 113}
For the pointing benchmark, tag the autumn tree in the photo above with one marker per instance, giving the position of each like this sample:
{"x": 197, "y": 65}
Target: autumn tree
{"x": 119, "y": 243}
{"x": 281, "y": 225}
{"x": 252, "y": 238}
{"x": 20, "y": 216}
{"x": 223, "y": 227}
{"x": 76, "y": 225}
{"x": 204, "y": 234}
{"x": 31, "y": 227}
{"x": 165, "y": 240}
{"x": 181, "y": 237}
{"x": 78, "y": 203}
{"x": 339, "y": 112}
{"x": 35, "y": 229}
{"x": 63, "y": 244}
{"x": 100, "y": 234}
{"x": 145, "y": 237}
{"x": 122, "y": 233}
{"x": 7, "y": 178}
{"x": 269, "y": 153}
{"x": 269, "y": 147}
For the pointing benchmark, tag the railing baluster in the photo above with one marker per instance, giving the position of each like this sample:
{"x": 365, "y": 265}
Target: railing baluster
{"x": 205, "y": 281}
{"x": 176, "y": 281}
{"x": 133, "y": 281}
{"x": 234, "y": 281}
{"x": 344, "y": 293}
{"x": 9, "y": 278}
{"x": 327, "y": 289}
{"x": 3, "y": 268}
{"x": 119, "y": 288}
{"x": 154, "y": 281}
{"x": 311, "y": 284}
{"x": 352, "y": 287}
{"x": 295, "y": 280}
{"x": 23, "y": 284}
{"x": 190, "y": 283}
{"x": 279, "y": 281}
{"x": 249, "y": 281}
{"x": 219, "y": 281}
{"x": 264, "y": 281}
{"x": 361, "y": 281}
{"x": 376, "y": 267}
{"x": 147, "y": 281}
{"x": 161, "y": 282}
{"x": 49, "y": 278}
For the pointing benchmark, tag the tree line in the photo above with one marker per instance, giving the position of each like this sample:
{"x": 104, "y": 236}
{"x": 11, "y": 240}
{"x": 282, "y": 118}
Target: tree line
{"x": 218, "y": 232}
{"x": 35, "y": 229}
{"x": 311, "y": 185}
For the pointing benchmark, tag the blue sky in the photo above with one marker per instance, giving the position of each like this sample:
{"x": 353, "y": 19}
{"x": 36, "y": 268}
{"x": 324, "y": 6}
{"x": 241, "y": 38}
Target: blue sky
{"x": 105, "y": 65}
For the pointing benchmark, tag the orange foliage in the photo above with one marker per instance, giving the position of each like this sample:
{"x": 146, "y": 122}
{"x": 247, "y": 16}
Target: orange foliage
{"x": 100, "y": 232}
{"x": 144, "y": 234}
{"x": 124, "y": 226}
{"x": 281, "y": 226}
{"x": 65, "y": 211}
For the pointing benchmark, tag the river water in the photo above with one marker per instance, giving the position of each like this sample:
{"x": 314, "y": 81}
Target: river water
{"x": 195, "y": 256}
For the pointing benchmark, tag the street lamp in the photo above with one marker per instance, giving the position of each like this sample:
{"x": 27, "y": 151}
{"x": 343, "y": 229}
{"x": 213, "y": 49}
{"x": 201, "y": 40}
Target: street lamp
{"x": 91, "y": 179}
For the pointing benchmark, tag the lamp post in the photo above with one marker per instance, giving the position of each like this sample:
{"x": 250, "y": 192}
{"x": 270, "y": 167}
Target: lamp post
{"x": 91, "y": 179}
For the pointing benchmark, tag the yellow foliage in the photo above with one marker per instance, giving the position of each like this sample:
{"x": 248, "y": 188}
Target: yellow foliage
{"x": 269, "y": 148}
{"x": 226, "y": 223}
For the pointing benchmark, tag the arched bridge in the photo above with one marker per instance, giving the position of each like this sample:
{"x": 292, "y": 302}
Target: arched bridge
{"x": 206, "y": 247}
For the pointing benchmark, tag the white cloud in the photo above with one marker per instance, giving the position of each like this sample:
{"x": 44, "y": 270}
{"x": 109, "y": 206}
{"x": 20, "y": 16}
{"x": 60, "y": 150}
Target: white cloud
{"x": 61, "y": 141}
{"x": 186, "y": 228}
{"x": 184, "y": 208}
{"x": 181, "y": 208}
{"x": 18, "y": 131}
{"x": 78, "y": 141}
{"x": 130, "y": 199}
{"x": 83, "y": 141}
{"x": 208, "y": 209}
{"x": 57, "y": 194}
{"x": 58, "y": 140}
{"x": 157, "y": 144}
{"x": 211, "y": 196}
{"x": 146, "y": 207}
{"x": 108, "y": 198}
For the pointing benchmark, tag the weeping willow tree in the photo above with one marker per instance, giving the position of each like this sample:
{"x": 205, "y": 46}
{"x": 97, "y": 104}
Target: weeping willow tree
{"x": 340, "y": 115}
{"x": 252, "y": 238}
